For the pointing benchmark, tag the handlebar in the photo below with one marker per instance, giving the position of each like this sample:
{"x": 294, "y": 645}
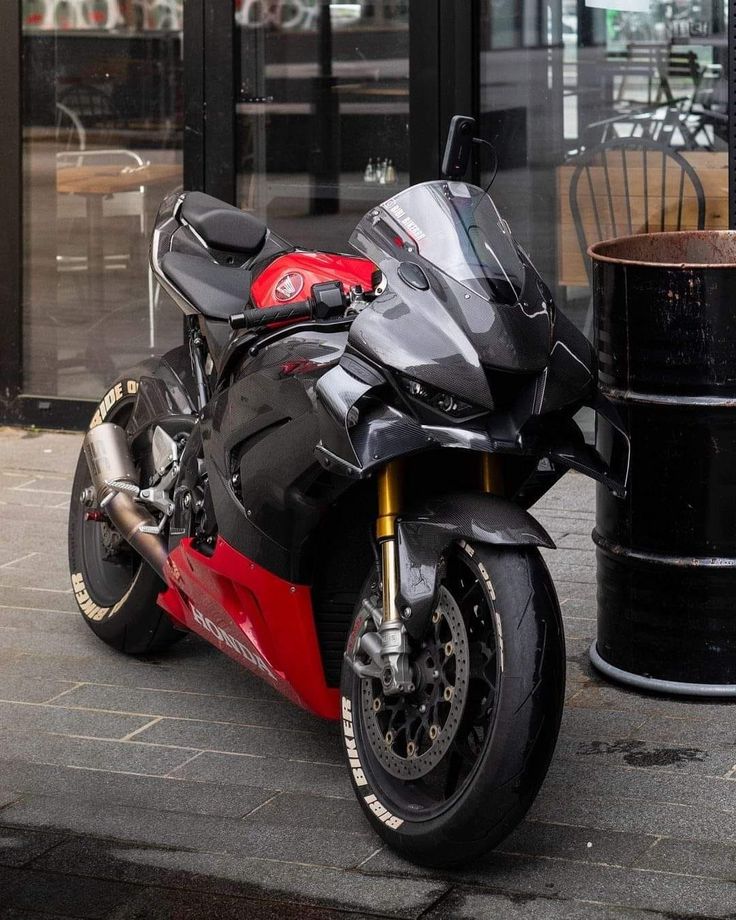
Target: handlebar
{"x": 263, "y": 316}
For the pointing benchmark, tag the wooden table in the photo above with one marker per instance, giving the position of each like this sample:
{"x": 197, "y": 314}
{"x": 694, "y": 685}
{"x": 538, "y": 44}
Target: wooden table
{"x": 111, "y": 180}
{"x": 97, "y": 182}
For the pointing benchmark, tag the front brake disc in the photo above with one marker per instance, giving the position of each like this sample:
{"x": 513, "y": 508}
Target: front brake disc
{"x": 410, "y": 734}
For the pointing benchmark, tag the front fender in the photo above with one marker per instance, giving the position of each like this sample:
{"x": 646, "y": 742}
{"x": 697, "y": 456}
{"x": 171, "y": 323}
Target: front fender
{"x": 424, "y": 535}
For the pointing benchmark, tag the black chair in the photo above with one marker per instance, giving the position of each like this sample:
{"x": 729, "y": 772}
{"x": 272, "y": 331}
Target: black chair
{"x": 632, "y": 185}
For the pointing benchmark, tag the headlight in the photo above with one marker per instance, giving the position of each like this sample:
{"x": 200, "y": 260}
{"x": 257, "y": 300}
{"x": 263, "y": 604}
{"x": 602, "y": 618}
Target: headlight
{"x": 440, "y": 400}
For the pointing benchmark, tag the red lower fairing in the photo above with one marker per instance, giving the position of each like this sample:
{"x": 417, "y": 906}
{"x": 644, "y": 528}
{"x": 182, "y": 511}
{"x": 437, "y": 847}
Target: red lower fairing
{"x": 260, "y": 620}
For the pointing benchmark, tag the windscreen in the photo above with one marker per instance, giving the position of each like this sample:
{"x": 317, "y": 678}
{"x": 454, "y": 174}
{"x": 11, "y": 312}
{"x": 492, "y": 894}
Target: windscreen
{"x": 457, "y": 228}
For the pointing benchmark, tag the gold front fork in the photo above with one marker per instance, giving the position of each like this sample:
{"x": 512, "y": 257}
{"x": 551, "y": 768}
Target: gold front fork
{"x": 390, "y": 490}
{"x": 492, "y": 474}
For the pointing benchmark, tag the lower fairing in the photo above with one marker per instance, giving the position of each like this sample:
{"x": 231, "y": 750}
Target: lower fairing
{"x": 263, "y": 622}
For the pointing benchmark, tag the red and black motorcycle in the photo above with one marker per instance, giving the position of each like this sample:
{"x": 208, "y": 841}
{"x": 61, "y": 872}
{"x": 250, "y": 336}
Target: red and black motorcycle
{"x": 328, "y": 482}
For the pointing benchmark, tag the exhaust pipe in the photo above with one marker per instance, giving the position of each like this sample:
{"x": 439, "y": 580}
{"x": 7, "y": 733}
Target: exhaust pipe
{"x": 109, "y": 460}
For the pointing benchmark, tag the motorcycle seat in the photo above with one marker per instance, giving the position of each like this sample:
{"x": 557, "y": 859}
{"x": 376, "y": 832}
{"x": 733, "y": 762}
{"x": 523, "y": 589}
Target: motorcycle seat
{"x": 217, "y": 291}
{"x": 223, "y": 226}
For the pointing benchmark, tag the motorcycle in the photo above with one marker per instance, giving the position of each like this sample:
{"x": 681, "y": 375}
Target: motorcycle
{"x": 329, "y": 482}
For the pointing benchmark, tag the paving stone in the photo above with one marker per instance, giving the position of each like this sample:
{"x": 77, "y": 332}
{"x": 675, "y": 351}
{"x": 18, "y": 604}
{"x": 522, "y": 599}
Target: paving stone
{"x": 41, "y": 718}
{"x": 715, "y": 760}
{"x": 604, "y": 695}
{"x": 694, "y": 857}
{"x": 194, "y": 906}
{"x": 189, "y": 666}
{"x": 682, "y": 895}
{"x": 577, "y": 541}
{"x": 313, "y": 811}
{"x": 578, "y": 608}
{"x": 319, "y": 746}
{"x": 54, "y": 453}
{"x": 35, "y": 597}
{"x": 14, "y": 913}
{"x": 574, "y": 558}
{"x": 631, "y": 816}
{"x": 48, "y": 893}
{"x": 18, "y": 847}
{"x": 587, "y": 844}
{"x": 637, "y": 784}
{"x": 90, "y": 752}
{"x": 246, "y": 876}
{"x": 154, "y": 792}
{"x": 21, "y": 577}
{"x": 7, "y": 796}
{"x": 467, "y": 904}
{"x": 693, "y": 731}
{"x": 58, "y": 622}
{"x": 572, "y": 574}
{"x": 18, "y": 687}
{"x": 270, "y": 773}
{"x": 582, "y": 724}
{"x": 259, "y": 707}
{"x": 157, "y": 828}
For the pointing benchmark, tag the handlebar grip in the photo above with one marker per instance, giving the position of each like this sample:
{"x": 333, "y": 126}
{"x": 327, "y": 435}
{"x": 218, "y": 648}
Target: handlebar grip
{"x": 252, "y": 319}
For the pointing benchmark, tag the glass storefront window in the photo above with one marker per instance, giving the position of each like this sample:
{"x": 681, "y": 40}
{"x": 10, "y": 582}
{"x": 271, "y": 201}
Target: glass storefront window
{"x": 569, "y": 83}
{"x": 609, "y": 117}
{"x": 322, "y": 113}
{"x": 102, "y": 144}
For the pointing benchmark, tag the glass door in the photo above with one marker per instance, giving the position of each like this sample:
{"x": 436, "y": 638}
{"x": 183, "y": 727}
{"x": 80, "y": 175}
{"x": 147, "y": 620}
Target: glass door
{"x": 102, "y": 144}
{"x": 322, "y": 113}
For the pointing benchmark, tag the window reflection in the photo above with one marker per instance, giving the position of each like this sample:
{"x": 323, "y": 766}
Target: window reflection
{"x": 609, "y": 117}
{"x": 102, "y": 116}
{"x": 322, "y": 113}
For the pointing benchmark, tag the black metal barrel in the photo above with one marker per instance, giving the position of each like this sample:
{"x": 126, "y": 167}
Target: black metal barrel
{"x": 666, "y": 555}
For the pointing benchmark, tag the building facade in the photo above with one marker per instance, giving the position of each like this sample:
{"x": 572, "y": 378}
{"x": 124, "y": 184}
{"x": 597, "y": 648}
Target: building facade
{"x": 606, "y": 116}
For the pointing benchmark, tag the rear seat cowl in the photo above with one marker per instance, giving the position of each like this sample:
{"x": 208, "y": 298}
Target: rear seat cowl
{"x": 223, "y": 226}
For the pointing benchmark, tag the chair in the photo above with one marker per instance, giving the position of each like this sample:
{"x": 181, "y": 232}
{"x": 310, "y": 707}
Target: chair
{"x": 95, "y": 107}
{"x": 658, "y": 85}
{"x": 632, "y": 185}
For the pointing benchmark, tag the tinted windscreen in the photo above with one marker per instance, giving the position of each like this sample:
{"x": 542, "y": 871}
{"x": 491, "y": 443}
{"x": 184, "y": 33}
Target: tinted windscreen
{"x": 457, "y": 228}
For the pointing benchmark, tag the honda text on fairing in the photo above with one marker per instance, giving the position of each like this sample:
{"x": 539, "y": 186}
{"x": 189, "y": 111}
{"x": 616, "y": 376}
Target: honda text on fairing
{"x": 329, "y": 481}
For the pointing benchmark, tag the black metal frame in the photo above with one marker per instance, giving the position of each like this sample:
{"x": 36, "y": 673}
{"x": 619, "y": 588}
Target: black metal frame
{"x": 731, "y": 32}
{"x": 444, "y": 80}
{"x": 11, "y": 191}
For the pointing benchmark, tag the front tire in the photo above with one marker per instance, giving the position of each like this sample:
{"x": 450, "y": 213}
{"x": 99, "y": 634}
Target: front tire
{"x": 448, "y": 808}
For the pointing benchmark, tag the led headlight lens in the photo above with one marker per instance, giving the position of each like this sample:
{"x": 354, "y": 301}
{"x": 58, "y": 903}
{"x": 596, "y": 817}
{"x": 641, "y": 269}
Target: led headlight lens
{"x": 438, "y": 399}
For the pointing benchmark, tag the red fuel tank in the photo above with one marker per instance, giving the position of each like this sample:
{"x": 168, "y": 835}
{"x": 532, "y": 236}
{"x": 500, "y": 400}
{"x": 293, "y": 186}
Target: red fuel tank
{"x": 291, "y": 276}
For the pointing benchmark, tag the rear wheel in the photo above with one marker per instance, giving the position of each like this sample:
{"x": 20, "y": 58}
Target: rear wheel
{"x": 115, "y": 589}
{"x": 445, "y": 773}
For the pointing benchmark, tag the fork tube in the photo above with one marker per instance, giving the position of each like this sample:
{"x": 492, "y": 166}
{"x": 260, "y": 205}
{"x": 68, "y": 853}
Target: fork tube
{"x": 491, "y": 474}
{"x": 390, "y": 487}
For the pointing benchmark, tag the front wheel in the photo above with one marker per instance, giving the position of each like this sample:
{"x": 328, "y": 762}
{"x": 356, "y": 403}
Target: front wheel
{"x": 445, "y": 773}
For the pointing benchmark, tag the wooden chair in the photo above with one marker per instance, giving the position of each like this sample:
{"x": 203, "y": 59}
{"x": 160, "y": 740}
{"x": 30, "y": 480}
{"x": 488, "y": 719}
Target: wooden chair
{"x": 632, "y": 185}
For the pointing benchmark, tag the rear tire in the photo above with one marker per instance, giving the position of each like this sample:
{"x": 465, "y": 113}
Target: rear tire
{"x": 116, "y": 591}
{"x": 496, "y": 767}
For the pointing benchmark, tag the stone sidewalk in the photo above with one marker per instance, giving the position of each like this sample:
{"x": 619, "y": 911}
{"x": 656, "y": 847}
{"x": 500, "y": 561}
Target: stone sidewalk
{"x": 180, "y": 786}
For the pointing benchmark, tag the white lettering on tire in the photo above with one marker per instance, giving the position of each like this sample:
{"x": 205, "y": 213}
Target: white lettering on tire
{"x": 88, "y": 607}
{"x": 121, "y": 389}
{"x": 348, "y": 733}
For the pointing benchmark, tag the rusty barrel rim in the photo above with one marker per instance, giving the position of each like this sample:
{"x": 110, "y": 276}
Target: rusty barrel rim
{"x": 606, "y": 250}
